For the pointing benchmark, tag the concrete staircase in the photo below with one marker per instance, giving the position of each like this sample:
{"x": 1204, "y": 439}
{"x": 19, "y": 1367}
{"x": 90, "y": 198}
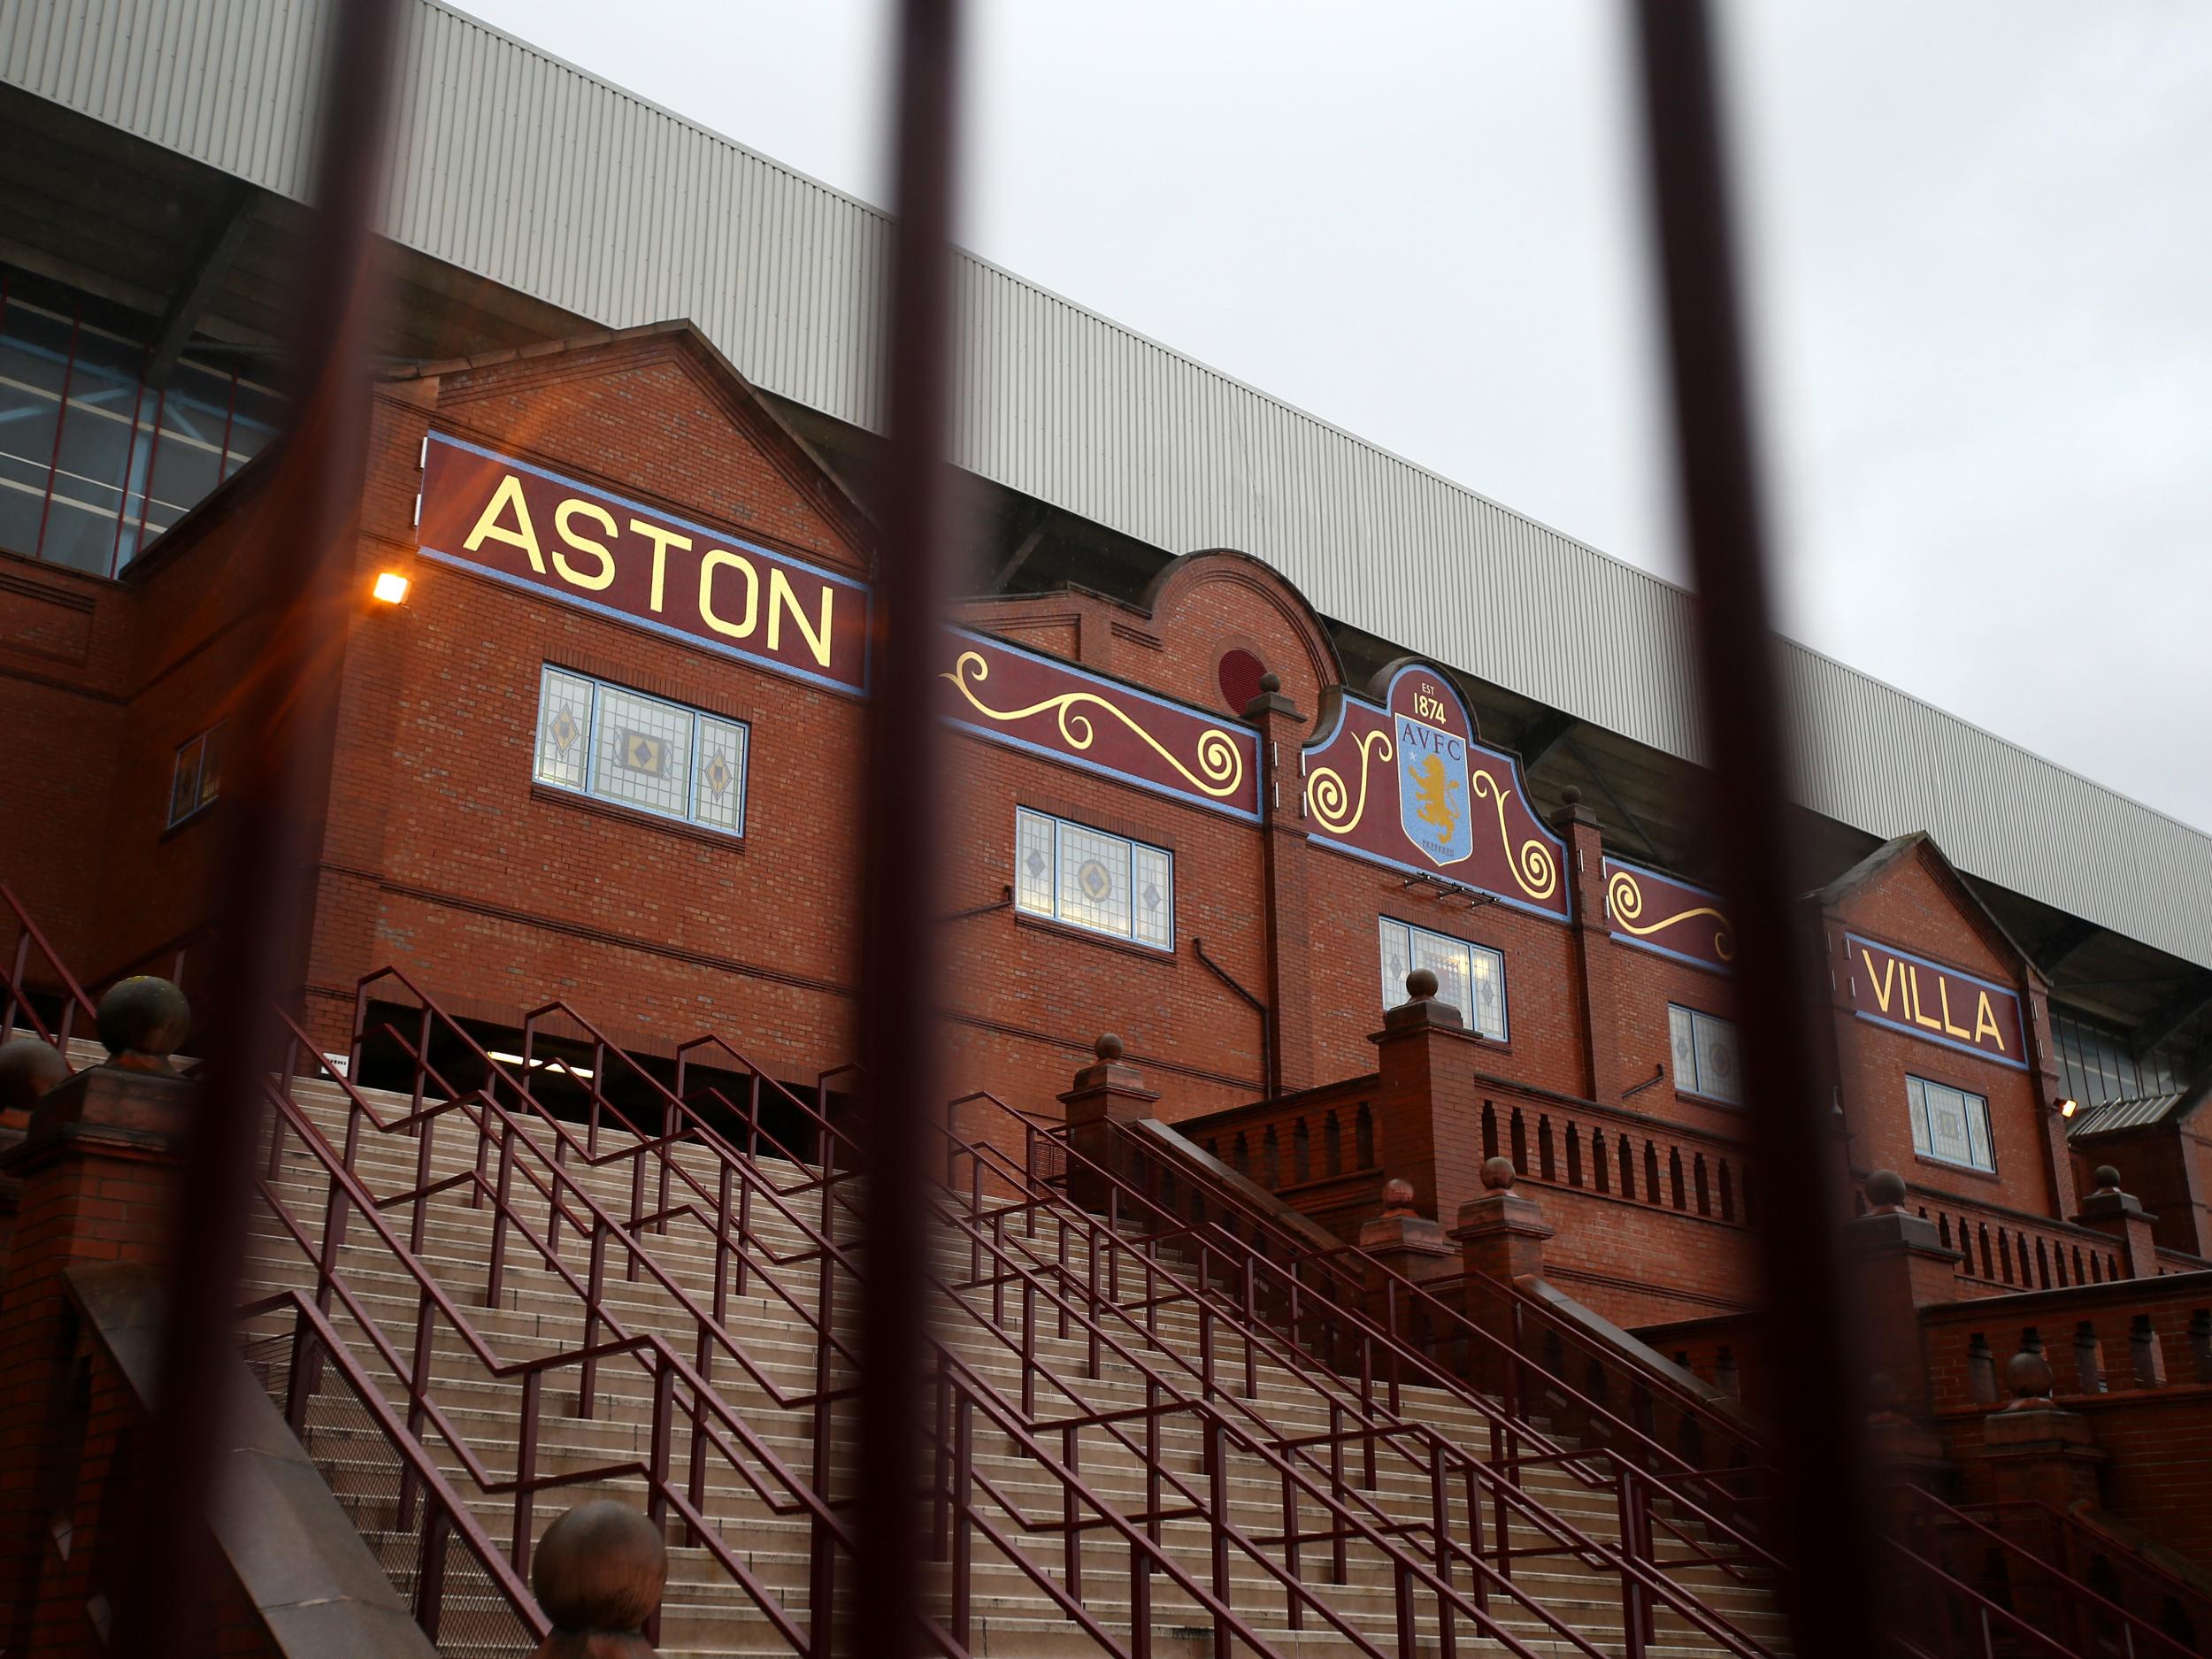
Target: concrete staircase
{"x": 708, "y": 1611}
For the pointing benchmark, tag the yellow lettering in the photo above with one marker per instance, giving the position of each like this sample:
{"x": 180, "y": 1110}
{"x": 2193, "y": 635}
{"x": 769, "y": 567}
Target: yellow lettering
{"x": 1943, "y": 996}
{"x": 661, "y": 541}
{"x": 1889, "y": 967}
{"x": 570, "y": 508}
{"x": 714, "y": 558}
{"x": 1912, "y": 979}
{"x": 780, "y": 599}
{"x": 1986, "y": 1020}
{"x": 489, "y": 529}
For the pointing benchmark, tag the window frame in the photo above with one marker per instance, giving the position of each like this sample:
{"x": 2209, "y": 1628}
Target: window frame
{"x": 198, "y": 745}
{"x": 588, "y": 790}
{"x": 1055, "y": 917}
{"x": 1916, "y": 1118}
{"x": 1696, "y": 1089}
{"x": 1475, "y": 950}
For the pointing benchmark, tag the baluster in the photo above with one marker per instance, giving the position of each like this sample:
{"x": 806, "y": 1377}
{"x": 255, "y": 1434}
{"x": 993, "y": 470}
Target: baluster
{"x": 637, "y": 1206}
{"x": 427, "y": 1134}
{"x": 963, "y": 1528}
{"x": 495, "y": 1277}
{"x": 526, "y": 1469}
{"x": 418, "y": 1388}
{"x": 1217, "y": 1493}
{"x": 1441, "y": 1521}
{"x": 1251, "y": 1335}
{"x": 1338, "y": 1493}
{"x": 1293, "y": 1604}
{"x": 663, "y": 1432}
{"x": 1474, "y": 1534}
{"x": 430, "y": 1581}
{"x": 1029, "y": 1348}
{"x": 1070, "y": 1513}
{"x": 1152, "y": 1459}
{"x": 588, "y": 1375}
{"x": 1139, "y": 1601}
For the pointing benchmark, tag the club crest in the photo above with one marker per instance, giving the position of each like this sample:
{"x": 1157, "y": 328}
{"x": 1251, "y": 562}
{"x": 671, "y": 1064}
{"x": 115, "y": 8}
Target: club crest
{"x": 1432, "y": 790}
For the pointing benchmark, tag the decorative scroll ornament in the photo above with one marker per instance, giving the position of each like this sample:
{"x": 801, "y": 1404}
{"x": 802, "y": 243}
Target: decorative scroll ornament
{"x": 1219, "y": 760}
{"x": 1533, "y": 864}
{"x": 1625, "y": 898}
{"x": 1326, "y": 796}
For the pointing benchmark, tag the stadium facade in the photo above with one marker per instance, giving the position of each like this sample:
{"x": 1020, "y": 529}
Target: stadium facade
{"x": 1231, "y": 768}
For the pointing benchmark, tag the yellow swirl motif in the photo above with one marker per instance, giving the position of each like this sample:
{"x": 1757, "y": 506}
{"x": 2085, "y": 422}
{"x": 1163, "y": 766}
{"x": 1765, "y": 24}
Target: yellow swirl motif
{"x": 1325, "y": 793}
{"x": 1217, "y": 754}
{"x": 1532, "y": 865}
{"x": 1625, "y": 897}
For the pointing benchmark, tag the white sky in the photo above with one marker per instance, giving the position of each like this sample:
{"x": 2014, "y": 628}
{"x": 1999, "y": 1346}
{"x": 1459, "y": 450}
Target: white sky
{"x": 1981, "y": 258}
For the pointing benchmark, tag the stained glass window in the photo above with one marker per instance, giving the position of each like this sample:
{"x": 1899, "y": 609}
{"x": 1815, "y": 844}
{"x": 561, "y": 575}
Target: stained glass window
{"x": 197, "y": 775}
{"x": 1949, "y": 1124}
{"x": 1089, "y": 879}
{"x": 1470, "y": 978}
{"x": 645, "y": 752}
{"x": 1705, "y": 1059}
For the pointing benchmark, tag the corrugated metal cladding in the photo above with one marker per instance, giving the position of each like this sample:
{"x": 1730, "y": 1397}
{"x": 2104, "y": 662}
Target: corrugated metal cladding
{"x": 514, "y": 164}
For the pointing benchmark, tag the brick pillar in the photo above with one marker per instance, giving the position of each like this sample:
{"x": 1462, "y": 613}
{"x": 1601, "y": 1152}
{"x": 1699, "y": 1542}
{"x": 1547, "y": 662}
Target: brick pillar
{"x": 1501, "y": 1236}
{"x": 1105, "y": 1092}
{"x": 1289, "y": 1059}
{"x": 2038, "y": 1451}
{"x": 1594, "y": 950}
{"x": 1405, "y": 1241}
{"x": 2058, "y": 1158}
{"x": 1896, "y": 1265}
{"x": 2120, "y": 1216}
{"x": 95, "y": 1167}
{"x": 1428, "y": 1114}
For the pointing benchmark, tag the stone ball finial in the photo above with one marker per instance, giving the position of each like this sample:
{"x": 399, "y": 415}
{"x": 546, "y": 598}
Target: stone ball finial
{"x": 28, "y": 1068}
{"x": 1421, "y": 984}
{"x": 1885, "y": 1190}
{"x": 1107, "y": 1048}
{"x": 142, "y": 1021}
{"x": 601, "y": 1568}
{"x": 2028, "y": 1374}
{"x": 1498, "y": 1174}
{"x": 1397, "y": 1196}
{"x": 2107, "y": 1179}
{"x": 1271, "y": 682}
{"x": 1571, "y": 796}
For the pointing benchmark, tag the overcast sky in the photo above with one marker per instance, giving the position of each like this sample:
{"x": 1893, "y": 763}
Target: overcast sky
{"x": 1982, "y": 260}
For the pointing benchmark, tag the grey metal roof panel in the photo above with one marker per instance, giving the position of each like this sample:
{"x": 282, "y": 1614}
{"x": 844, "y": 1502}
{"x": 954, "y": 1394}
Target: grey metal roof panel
{"x": 2133, "y": 1113}
{"x": 509, "y": 163}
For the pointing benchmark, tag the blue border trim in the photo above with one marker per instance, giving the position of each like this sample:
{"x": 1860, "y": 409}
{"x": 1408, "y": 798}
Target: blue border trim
{"x": 1104, "y": 771}
{"x": 1937, "y": 1037}
{"x": 1928, "y": 962}
{"x": 469, "y": 567}
{"x": 1243, "y": 735}
{"x": 1613, "y": 930}
{"x": 1346, "y": 848}
{"x": 460, "y": 561}
{"x": 1941, "y": 1042}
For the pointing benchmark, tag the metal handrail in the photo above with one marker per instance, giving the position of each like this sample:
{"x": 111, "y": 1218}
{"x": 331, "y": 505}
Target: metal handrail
{"x": 15, "y": 982}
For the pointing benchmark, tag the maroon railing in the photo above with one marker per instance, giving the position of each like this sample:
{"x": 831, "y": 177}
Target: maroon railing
{"x": 1945, "y": 1612}
{"x": 27, "y": 979}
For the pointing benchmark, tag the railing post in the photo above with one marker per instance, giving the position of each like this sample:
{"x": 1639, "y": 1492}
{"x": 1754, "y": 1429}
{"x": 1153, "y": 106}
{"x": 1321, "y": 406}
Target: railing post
{"x": 526, "y": 1467}
{"x": 588, "y": 1375}
{"x": 963, "y": 1526}
{"x": 1632, "y": 1590}
{"x": 495, "y": 1277}
{"x": 1071, "y": 1513}
{"x": 430, "y": 1578}
{"x": 1218, "y": 1486}
{"x": 1441, "y": 1521}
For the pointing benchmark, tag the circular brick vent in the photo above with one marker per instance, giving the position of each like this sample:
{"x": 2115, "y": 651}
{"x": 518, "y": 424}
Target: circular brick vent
{"x": 1240, "y": 675}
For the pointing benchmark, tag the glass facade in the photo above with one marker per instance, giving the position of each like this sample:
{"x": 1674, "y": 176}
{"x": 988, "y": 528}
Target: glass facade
{"x": 1089, "y": 879}
{"x": 1471, "y": 978}
{"x": 2097, "y": 1064}
{"x": 640, "y": 751}
{"x": 94, "y": 462}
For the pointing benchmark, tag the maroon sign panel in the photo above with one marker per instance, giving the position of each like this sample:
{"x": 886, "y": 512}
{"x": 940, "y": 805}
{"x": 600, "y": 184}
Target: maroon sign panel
{"x": 1405, "y": 783}
{"x": 1935, "y": 1003}
{"x": 1672, "y": 917}
{"x": 1042, "y": 704}
{"x": 535, "y": 529}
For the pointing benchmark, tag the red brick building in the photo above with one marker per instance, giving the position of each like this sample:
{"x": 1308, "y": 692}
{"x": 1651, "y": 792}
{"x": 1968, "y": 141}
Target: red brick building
{"x": 605, "y": 749}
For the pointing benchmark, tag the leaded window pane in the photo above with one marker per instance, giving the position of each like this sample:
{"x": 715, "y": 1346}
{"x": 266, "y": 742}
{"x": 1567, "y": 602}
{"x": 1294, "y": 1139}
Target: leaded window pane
{"x": 1033, "y": 862}
{"x": 1956, "y": 1124}
{"x": 1094, "y": 880}
{"x": 184, "y": 781}
{"x": 641, "y": 752}
{"x": 1152, "y": 896}
{"x": 1719, "y": 1074}
{"x": 720, "y": 783}
{"x": 1917, "y": 1106}
{"x": 1397, "y": 961}
{"x": 1681, "y": 1030}
{"x": 1486, "y": 1003}
{"x": 210, "y": 766}
{"x": 563, "y": 729}
{"x": 1977, "y": 1147}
